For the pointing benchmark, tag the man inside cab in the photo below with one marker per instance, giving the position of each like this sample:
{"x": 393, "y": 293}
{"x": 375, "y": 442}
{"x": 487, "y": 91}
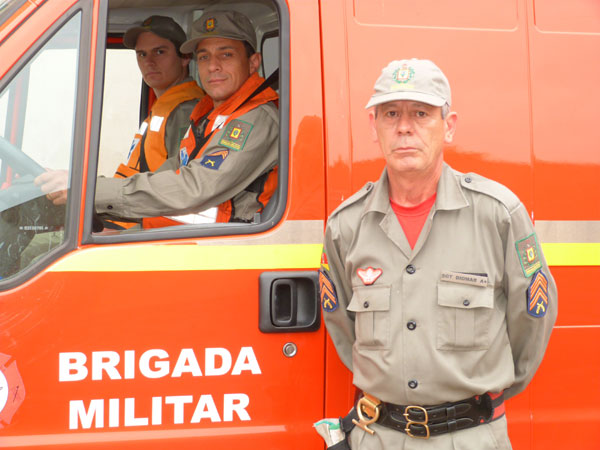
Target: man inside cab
{"x": 228, "y": 157}
{"x": 166, "y": 70}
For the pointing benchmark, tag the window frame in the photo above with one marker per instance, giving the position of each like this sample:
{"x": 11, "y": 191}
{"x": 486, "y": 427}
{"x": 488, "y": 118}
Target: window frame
{"x": 77, "y": 157}
{"x": 196, "y": 231}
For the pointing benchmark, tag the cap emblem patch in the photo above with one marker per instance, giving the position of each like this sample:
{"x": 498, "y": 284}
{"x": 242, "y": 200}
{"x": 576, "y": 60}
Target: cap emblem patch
{"x": 368, "y": 275}
{"x": 404, "y": 74}
{"x": 210, "y": 24}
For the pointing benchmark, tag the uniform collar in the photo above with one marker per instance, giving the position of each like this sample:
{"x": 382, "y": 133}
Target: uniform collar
{"x": 206, "y": 105}
{"x": 449, "y": 193}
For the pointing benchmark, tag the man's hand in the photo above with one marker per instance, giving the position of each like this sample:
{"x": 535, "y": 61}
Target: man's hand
{"x": 54, "y": 184}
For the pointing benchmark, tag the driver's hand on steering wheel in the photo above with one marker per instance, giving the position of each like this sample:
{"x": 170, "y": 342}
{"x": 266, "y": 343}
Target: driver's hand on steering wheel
{"x": 54, "y": 184}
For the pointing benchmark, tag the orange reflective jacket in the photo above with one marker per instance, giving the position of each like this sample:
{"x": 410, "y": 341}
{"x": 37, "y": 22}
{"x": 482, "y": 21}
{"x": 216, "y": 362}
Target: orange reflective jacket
{"x": 235, "y": 106}
{"x": 148, "y": 150}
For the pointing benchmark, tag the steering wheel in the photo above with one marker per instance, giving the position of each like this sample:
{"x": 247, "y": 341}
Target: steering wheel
{"x": 22, "y": 188}
{"x": 15, "y": 158}
{"x": 22, "y": 206}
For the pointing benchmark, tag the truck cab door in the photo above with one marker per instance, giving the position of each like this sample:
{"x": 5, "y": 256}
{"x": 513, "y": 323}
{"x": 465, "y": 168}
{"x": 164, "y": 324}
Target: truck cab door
{"x": 189, "y": 336}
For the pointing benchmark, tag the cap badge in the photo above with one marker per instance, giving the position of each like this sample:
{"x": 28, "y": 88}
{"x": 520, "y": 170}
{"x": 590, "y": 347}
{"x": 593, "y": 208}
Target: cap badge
{"x": 368, "y": 275}
{"x": 146, "y": 23}
{"x": 404, "y": 74}
{"x": 210, "y": 24}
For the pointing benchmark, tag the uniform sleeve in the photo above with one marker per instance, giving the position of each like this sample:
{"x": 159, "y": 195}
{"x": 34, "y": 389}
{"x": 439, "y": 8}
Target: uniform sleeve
{"x": 209, "y": 180}
{"x": 338, "y": 320}
{"x": 177, "y": 124}
{"x": 528, "y": 282}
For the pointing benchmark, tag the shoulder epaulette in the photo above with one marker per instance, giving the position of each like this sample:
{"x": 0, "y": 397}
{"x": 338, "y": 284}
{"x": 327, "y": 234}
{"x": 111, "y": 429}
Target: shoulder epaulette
{"x": 362, "y": 192}
{"x": 477, "y": 183}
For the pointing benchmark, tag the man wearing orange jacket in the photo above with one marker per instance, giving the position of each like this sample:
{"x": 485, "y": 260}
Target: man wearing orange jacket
{"x": 164, "y": 69}
{"x": 228, "y": 157}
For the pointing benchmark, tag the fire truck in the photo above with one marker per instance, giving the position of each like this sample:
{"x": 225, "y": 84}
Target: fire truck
{"x": 210, "y": 336}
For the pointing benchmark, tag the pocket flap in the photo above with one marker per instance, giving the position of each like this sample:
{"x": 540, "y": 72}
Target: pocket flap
{"x": 465, "y": 296}
{"x": 370, "y": 298}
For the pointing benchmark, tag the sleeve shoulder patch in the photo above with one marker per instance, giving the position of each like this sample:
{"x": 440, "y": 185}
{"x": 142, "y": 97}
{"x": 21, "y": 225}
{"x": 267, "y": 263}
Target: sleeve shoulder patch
{"x": 491, "y": 188}
{"x": 528, "y": 251}
{"x": 235, "y": 135}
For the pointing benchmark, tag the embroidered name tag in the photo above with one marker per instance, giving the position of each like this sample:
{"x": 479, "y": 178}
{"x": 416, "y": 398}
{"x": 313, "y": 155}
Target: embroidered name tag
{"x": 465, "y": 278}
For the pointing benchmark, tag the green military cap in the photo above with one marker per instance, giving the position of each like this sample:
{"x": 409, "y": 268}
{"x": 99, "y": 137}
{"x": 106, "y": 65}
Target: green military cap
{"x": 162, "y": 26}
{"x": 222, "y": 24}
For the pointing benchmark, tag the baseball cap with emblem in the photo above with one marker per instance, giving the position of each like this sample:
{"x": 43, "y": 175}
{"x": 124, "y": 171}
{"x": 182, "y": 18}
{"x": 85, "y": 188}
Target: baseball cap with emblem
{"x": 221, "y": 24}
{"x": 411, "y": 79}
{"x": 162, "y": 26}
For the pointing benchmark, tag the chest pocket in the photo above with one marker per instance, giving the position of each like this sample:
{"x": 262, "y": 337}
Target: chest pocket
{"x": 464, "y": 316}
{"x": 372, "y": 323}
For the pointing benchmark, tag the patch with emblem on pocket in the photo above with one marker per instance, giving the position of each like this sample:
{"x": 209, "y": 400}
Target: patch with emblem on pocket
{"x": 236, "y": 134}
{"x": 369, "y": 275}
{"x": 529, "y": 255}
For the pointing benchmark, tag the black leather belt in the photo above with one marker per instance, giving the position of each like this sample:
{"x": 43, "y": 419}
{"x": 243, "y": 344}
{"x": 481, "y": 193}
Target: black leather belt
{"x": 425, "y": 421}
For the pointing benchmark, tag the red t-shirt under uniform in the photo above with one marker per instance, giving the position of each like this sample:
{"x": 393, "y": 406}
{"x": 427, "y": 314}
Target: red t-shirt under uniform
{"x": 412, "y": 218}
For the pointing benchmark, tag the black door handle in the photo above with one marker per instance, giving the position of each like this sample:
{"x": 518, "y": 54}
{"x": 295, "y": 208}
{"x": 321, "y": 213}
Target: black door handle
{"x": 289, "y": 302}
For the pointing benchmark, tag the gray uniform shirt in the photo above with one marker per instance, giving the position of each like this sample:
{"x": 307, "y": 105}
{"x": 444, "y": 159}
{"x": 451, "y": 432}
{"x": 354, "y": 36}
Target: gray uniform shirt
{"x": 199, "y": 185}
{"x": 448, "y": 319}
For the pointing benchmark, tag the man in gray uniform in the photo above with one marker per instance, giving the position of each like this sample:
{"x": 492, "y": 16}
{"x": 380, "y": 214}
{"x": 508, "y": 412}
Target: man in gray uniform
{"x": 433, "y": 284}
{"x": 228, "y": 157}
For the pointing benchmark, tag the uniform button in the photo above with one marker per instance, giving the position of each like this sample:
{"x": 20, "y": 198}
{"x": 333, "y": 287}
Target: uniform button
{"x": 413, "y": 384}
{"x": 109, "y": 207}
{"x": 411, "y": 269}
{"x": 366, "y": 304}
{"x": 411, "y": 325}
{"x": 466, "y": 302}
{"x": 468, "y": 180}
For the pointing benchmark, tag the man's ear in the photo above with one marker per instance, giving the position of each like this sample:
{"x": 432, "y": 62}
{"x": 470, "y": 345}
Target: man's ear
{"x": 450, "y": 126}
{"x": 185, "y": 62}
{"x": 254, "y": 62}
{"x": 372, "y": 127}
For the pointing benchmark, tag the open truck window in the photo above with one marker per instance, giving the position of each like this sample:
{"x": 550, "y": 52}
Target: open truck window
{"x": 127, "y": 101}
{"x": 45, "y": 112}
{"x": 37, "y": 116}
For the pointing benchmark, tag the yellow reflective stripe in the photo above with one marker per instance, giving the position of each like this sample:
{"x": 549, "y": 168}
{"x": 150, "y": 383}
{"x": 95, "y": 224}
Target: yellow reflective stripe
{"x": 572, "y": 254}
{"x": 146, "y": 258}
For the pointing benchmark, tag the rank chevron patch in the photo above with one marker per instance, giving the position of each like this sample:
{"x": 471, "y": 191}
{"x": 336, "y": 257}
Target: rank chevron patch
{"x": 329, "y": 300}
{"x": 537, "y": 295}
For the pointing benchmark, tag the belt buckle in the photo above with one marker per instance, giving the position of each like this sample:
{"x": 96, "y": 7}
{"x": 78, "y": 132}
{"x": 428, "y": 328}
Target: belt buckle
{"x": 367, "y": 409}
{"x": 410, "y": 422}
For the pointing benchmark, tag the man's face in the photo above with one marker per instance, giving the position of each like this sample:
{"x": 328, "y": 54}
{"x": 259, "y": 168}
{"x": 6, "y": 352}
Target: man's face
{"x": 159, "y": 63}
{"x": 412, "y": 135}
{"x": 223, "y": 66}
